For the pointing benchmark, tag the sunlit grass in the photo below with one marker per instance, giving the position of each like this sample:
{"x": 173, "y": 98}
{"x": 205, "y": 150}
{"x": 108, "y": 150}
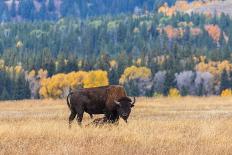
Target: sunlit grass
{"x": 156, "y": 126}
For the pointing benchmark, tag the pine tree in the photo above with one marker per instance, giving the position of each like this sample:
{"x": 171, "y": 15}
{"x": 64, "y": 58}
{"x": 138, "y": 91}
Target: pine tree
{"x": 4, "y": 12}
{"x": 22, "y": 90}
{"x": 5, "y": 95}
{"x": 113, "y": 77}
{"x": 2, "y": 7}
{"x": 225, "y": 83}
{"x": 51, "y": 6}
{"x": 13, "y": 9}
{"x": 169, "y": 82}
{"x": 27, "y": 9}
{"x": 65, "y": 7}
{"x": 42, "y": 14}
{"x": 200, "y": 90}
{"x": 61, "y": 63}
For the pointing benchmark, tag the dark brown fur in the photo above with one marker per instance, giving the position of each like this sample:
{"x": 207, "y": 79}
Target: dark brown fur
{"x": 98, "y": 122}
{"x": 100, "y": 100}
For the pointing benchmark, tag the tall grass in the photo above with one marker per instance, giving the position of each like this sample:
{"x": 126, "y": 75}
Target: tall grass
{"x": 156, "y": 126}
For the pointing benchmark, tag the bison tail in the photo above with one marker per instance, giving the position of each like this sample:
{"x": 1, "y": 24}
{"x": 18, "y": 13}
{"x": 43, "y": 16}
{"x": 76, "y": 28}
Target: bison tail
{"x": 68, "y": 103}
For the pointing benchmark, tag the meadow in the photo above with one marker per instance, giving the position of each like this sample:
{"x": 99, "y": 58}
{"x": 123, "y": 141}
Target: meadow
{"x": 185, "y": 125}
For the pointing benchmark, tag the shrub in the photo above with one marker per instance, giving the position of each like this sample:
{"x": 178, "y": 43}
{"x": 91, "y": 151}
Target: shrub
{"x": 226, "y": 92}
{"x": 173, "y": 92}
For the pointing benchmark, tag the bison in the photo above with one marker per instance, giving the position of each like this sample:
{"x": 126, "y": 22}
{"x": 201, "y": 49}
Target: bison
{"x": 112, "y": 101}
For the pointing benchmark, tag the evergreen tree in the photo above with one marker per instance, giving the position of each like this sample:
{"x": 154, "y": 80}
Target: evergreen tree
{"x": 200, "y": 91}
{"x": 22, "y": 89}
{"x": 103, "y": 62}
{"x": 27, "y": 9}
{"x": 68, "y": 8}
{"x": 3, "y": 7}
{"x": 51, "y": 6}
{"x": 5, "y": 95}
{"x": 132, "y": 88}
{"x": 225, "y": 83}
{"x": 71, "y": 64}
{"x": 113, "y": 77}
{"x": 13, "y": 9}
{"x": 42, "y": 14}
{"x": 4, "y": 12}
{"x": 169, "y": 82}
{"x": 60, "y": 63}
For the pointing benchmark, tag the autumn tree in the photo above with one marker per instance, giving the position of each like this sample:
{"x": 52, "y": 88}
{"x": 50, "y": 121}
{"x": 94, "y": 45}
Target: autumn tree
{"x": 59, "y": 84}
{"x": 95, "y": 79}
{"x": 214, "y": 32}
{"x": 137, "y": 80}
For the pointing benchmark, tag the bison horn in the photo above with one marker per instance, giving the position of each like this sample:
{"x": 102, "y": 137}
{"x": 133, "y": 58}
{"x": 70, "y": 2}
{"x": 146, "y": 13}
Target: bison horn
{"x": 133, "y": 101}
{"x": 118, "y": 103}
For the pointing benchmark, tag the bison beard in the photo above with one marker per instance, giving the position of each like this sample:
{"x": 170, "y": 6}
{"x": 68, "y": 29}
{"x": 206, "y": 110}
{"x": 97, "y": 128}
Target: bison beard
{"x": 111, "y": 101}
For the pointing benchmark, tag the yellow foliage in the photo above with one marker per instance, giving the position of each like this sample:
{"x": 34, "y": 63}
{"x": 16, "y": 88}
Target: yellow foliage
{"x": 65, "y": 61}
{"x": 76, "y": 79}
{"x": 173, "y": 92}
{"x": 136, "y": 30}
{"x": 18, "y": 69}
{"x": 42, "y": 73}
{"x": 180, "y": 6}
{"x": 10, "y": 69}
{"x": 184, "y": 24}
{"x": 226, "y": 92}
{"x": 157, "y": 95}
{"x": 31, "y": 74}
{"x": 202, "y": 58}
{"x": 56, "y": 64}
{"x": 2, "y": 63}
{"x": 19, "y": 44}
{"x": 214, "y": 67}
{"x": 139, "y": 61}
{"x": 96, "y": 78}
{"x": 57, "y": 85}
{"x": 134, "y": 72}
{"x": 113, "y": 64}
{"x": 160, "y": 59}
{"x": 43, "y": 89}
{"x": 54, "y": 85}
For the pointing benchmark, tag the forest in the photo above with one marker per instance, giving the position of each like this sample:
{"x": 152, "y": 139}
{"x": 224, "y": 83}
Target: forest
{"x": 148, "y": 52}
{"x": 32, "y": 10}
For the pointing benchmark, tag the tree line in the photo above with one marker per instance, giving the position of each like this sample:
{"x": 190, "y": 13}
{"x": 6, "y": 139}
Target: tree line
{"x": 169, "y": 48}
{"x": 208, "y": 78}
{"x": 32, "y": 10}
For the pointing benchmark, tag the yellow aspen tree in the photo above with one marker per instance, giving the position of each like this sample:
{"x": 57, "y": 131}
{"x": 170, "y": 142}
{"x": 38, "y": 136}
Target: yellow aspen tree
{"x": 226, "y": 92}
{"x": 96, "y": 78}
{"x": 134, "y": 72}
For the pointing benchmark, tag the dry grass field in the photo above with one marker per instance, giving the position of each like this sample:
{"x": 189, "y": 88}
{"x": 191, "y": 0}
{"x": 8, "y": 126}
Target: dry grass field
{"x": 157, "y": 126}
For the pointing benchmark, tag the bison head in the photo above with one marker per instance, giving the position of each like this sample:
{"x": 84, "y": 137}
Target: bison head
{"x": 124, "y": 106}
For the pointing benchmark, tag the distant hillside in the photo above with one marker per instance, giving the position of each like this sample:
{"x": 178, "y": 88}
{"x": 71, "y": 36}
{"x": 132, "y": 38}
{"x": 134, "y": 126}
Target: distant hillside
{"x": 19, "y": 10}
{"x": 207, "y": 7}
{"x": 215, "y": 7}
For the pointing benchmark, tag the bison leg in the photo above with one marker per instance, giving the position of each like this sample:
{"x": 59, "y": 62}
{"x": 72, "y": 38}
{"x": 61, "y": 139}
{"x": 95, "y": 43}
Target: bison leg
{"x": 79, "y": 118}
{"x": 91, "y": 116}
{"x": 112, "y": 117}
{"x": 71, "y": 118}
{"x": 80, "y": 111}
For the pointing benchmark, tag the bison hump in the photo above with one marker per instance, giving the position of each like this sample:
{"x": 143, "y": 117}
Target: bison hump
{"x": 114, "y": 93}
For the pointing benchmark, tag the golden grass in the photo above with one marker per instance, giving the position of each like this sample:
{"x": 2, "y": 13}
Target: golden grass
{"x": 157, "y": 126}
